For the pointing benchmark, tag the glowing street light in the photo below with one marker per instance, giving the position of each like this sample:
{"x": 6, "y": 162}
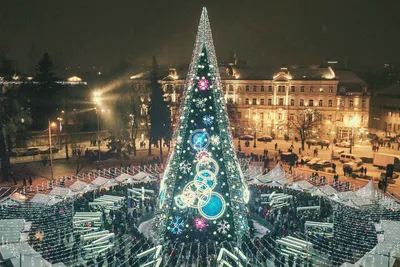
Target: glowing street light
{"x": 255, "y": 118}
{"x": 97, "y": 99}
{"x": 51, "y": 124}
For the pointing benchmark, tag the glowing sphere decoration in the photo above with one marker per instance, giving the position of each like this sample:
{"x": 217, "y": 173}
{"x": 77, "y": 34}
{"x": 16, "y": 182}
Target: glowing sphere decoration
{"x": 203, "y": 84}
{"x": 214, "y": 208}
{"x": 199, "y": 139}
{"x": 200, "y": 223}
{"x": 203, "y": 154}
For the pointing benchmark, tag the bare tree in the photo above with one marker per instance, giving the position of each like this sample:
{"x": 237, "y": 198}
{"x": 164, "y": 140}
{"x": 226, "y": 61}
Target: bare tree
{"x": 304, "y": 122}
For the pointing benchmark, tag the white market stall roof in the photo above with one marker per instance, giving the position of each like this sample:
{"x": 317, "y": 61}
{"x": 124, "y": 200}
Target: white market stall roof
{"x": 11, "y": 253}
{"x": 328, "y": 190}
{"x": 305, "y": 185}
{"x": 101, "y": 181}
{"x": 122, "y": 177}
{"x": 347, "y": 264}
{"x": 45, "y": 199}
{"x": 369, "y": 191}
{"x": 62, "y": 192}
{"x": 14, "y": 230}
{"x": 277, "y": 174}
{"x": 80, "y": 186}
{"x": 141, "y": 176}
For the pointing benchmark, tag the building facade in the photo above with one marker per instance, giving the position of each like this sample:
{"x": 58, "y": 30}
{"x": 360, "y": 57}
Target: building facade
{"x": 268, "y": 98}
{"x": 385, "y": 111}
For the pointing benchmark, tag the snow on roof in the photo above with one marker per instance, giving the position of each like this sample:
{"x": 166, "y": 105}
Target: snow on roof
{"x": 122, "y": 177}
{"x": 99, "y": 181}
{"x": 62, "y": 192}
{"x": 45, "y": 199}
{"x": 142, "y": 175}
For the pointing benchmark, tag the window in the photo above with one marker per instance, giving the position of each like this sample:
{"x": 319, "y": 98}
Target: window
{"x": 320, "y": 103}
{"x": 270, "y": 88}
{"x": 169, "y": 88}
{"x": 280, "y": 101}
{"x": 269, "y": 102}
{"x": 342, "y": 103}
{"x": 292, "y": 102}
{"x": 341, "y": 118}
{"x": 255, "y": 88}
{"x": 351, "y": 118}
{"x": 302, "y": 89}
{"x": 389, "y": 114}
{"x": 254, "y": 102}
{"x": 301, "y": 102}
{"x": 281, "y": 88}
{"x": 310, "y": 103}
{"x": 280, "y": 117}
{"x": 223, "y": 88}
{"x": 292, "y": 89}
{"x": 261, "y": 115}
{"x": 330, "y": 103}
{"x": 363, "y": 103}
{"x": 246, "y": 102}
{"x": 351, "y": 103}
{"x": 262, "y": 88}
{"x": 262, "y": 101}
{"x": 330, "y": 89}
{"x": 312, "y": 89}
{"x": 321, "y": 90}
{"x": 231, "y": 88}
{"x": 247, "y": 88}
{"x": 229, "y": 100}
{"x": 291, "y": 116}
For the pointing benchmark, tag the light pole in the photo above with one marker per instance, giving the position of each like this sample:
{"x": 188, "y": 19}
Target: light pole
{"x": 255, "y": 131}
{"x": 332, "y": 133}
{"x": 51, "y": 124}
{"x": 353, "y": 125}
{"x": 97, "y": 101}
{"x": 60, "y": 129}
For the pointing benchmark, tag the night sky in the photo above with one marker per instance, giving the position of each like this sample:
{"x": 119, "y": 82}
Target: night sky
{"x": 103, "y": 33}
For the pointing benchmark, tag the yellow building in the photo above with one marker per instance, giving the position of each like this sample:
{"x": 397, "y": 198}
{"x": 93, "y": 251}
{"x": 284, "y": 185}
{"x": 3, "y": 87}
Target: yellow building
{"x": 267, "y": 98}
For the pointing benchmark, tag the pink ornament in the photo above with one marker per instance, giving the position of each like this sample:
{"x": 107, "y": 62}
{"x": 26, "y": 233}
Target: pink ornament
{"x": 200, "y": 223}
{"x": 203, "y": 154}
{"x": 203, "y": 84}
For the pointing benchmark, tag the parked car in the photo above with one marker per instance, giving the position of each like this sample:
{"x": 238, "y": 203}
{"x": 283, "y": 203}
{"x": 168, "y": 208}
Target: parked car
{"x": 47, "y": 150}
{"x": 323, "y": 163}
{"x": 312, "y": 142}
{"x": 30, "y": 151}
{"x": 336, "y": 153}
{"x": 265, "y": 138}
{"x": 246, "y": 137}
{"x": 289, "y": 157}
{"x": 313, "y": 161}
{"x": 395, "y": 175}
{"x": 343, "y": 144}
{"x": 324, "y": 142}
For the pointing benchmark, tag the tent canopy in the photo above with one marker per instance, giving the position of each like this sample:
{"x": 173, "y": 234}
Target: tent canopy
{"x": 45, "y": 199}
{"x": 123, "y": 177}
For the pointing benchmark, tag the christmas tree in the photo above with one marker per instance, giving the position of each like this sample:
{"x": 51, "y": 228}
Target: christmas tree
{"x": 203, "y": 195}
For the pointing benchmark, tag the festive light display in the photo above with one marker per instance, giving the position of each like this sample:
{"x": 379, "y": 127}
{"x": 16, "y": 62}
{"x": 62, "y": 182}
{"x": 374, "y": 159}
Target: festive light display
{"x": 197, "y": 176}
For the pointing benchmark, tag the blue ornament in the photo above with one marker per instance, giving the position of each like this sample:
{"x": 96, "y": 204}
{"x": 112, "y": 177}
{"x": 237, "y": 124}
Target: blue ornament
{"x": 214, "y": 208}
{"x": 176, "y": 225}
{"x": 243, "y": 224}
{"x": 199, "y": 139}
{"x": 208, "y": 120}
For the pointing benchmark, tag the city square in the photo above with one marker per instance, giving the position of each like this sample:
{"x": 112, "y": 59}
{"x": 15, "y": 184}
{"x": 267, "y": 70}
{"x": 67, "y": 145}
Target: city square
{"x": 200, "y": 164}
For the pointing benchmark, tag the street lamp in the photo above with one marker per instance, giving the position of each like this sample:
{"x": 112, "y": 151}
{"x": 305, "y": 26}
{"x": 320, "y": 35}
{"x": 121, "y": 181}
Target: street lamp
{"x": 51, "y": 124}
{"x": 332, "y": 133}
{"x": 97, "y": 101}
{"x": 255, "y": 130}
{"x": 60, "y": 129}
{"x": 353, "y": 125}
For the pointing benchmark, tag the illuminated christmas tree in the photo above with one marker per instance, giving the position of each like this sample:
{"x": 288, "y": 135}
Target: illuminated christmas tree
{"x": 203, "y": 195}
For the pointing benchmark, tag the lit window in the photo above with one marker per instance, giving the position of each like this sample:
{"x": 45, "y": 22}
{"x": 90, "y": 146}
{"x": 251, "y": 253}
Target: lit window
{"x": 246, "y": 102}
{"x": 302, "y": 89}
{"x": 262, "y": 88}
{"x": 280, "y": 117}
{"x": 255, "y": 88}
{"x": 293, "y": 89}
{"x": 269, "y": 102}
{"x": 320, "y": 103}
{"x": 247, "y": 88}
{"x": 330, "y": 89}
{"x": 281, "y": 88}
{"x": 310, "y": 103}
{"x": 342, "y": 103}
{"x": 262, "y": 101}
{"x": 341, "y": 117}
{"x": 330, "y": 103}
{"x": 321, "y": 90}
{"x": 351, "y": 103}
{"x": 280, "y": 101}
{"x": 292, "y": 102}
{"x": 301, "y": 102}
{"x": 254, "y": 102}
{"x": 230, "y": 88}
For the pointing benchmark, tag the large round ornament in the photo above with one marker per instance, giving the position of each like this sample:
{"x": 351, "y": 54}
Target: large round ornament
{"x": 206, "y": 177}
{"x": 199, "y": 139}
{"x": 207, "y": 164}
{"x": 203, "y": 84}
{"x": 214, "y": 208}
